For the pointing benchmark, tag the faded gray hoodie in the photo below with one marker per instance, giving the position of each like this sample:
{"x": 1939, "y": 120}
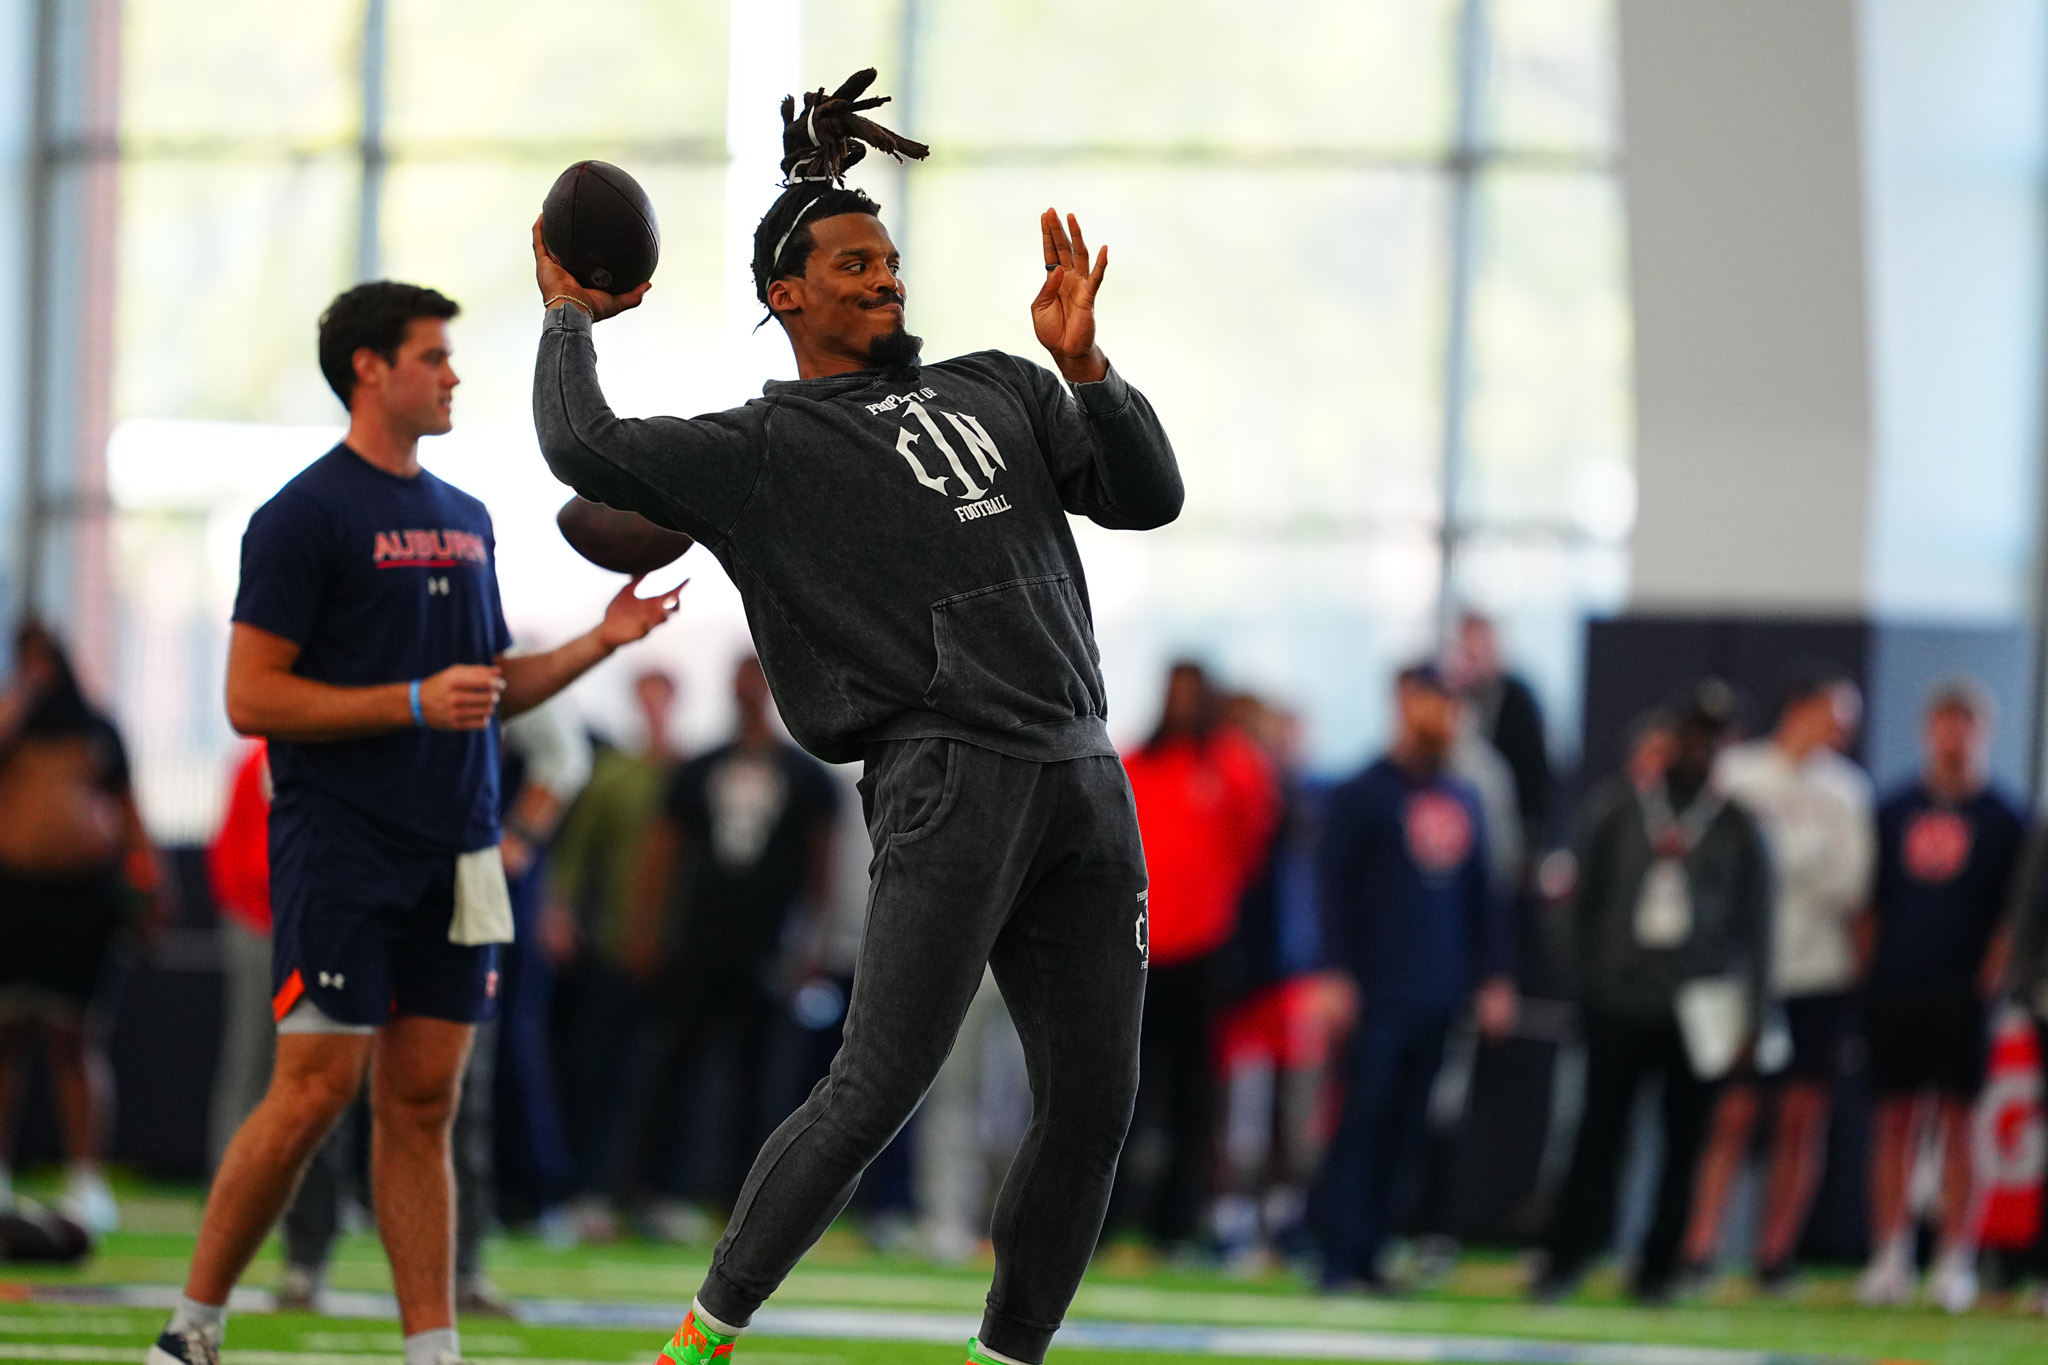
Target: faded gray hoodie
{"x": 899, "y": 537}
{"x": 1728, "y": 880}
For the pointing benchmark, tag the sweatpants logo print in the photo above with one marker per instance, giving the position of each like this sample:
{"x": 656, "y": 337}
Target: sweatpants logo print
{"x": 1143, "y": 929}
{"x": 970, "y": 433}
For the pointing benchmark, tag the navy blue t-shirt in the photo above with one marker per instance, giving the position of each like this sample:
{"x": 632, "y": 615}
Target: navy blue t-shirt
{"x": 1943, "y": 875}
{"x": 1407, "y": 904}
{"x": 380, "y": 579}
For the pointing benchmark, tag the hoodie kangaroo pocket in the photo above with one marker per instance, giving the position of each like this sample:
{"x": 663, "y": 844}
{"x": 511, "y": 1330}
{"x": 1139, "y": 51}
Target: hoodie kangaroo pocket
{"x": 1017, "y": 654}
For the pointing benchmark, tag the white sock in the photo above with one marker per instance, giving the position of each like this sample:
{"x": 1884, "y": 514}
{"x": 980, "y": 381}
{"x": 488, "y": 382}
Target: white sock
{"x": 210, "y": 1320}
{"x": 997, "y": 1356}
{"x": 427, "y": 1348}
{"x": 697, "y": 1307}
{"x": 82, "y": 1174}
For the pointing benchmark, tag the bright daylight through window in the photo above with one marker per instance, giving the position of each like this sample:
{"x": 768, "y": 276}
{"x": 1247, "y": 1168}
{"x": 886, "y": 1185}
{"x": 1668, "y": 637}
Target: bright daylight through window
{"x": 1367, "y": 262}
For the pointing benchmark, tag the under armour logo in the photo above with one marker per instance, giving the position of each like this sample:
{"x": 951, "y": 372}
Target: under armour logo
{"x": 437, "y": 585}
{"x": 333, "y": 979}
{"x": 1143, "y": 930}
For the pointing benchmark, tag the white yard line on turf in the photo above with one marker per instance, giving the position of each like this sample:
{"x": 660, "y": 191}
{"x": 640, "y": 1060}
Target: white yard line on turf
{"x": 860, "y": 1324}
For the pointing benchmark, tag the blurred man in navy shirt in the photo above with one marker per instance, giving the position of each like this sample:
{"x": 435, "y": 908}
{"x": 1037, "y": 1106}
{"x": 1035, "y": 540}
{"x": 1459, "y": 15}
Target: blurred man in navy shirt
{"x": 1948, "y": 845}
{"x": 1411, "y": 913}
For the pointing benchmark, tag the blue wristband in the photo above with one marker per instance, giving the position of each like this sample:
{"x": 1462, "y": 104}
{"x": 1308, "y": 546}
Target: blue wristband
{"x": 412, "y": 694}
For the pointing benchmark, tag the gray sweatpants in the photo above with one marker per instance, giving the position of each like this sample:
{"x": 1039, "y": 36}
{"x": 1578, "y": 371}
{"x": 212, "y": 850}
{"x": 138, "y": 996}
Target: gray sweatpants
{"x": 1036, "y": 870}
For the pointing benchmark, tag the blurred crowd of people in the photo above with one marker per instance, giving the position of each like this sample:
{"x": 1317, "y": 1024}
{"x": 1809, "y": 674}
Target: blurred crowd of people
{"x": 1739, "y": 921}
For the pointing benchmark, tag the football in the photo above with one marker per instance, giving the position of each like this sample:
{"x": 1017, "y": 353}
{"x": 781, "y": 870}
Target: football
{"x": 599, "y": 224}
{"x": 624, "y": 542}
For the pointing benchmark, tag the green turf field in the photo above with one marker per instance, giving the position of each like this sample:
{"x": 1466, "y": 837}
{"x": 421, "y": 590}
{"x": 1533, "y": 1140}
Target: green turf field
{"x": 1477, "y": 1315}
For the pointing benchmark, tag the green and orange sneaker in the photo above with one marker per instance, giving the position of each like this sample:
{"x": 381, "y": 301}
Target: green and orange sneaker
{"x": 695, "y": 1344}
{"x": 978, "y": 1354}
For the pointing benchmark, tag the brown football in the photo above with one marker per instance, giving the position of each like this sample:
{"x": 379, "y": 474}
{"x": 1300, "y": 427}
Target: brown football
{"x": 624, "y": 542}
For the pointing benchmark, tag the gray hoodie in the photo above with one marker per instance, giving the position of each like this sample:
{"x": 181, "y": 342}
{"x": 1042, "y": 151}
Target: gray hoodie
{"x": 1728, "y": 880}
{"x": 899, "y": 537}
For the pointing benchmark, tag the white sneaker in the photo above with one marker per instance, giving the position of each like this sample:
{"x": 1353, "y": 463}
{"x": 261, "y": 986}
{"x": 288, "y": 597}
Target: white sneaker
{"x": 674, "y": 1221}
{"x": 592, "y": 1220}
{"x": 182, "y": 1348}
{"x": 557, "y": 1228}
{"x": 1953, "y": 1283}
{"x": 1888, "y": 1279}
{"x": 950, "y": 1244}
{"x": 298, "y": 1290}
{"x": 477, "y": 1295}
{"x": 90, "y": 1200}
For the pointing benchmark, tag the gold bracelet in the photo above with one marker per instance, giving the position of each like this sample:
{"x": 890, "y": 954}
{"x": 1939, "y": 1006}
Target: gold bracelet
{"x": 572, "y": 299}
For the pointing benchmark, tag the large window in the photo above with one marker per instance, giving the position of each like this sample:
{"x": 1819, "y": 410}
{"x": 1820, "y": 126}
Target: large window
{"x": 1366, "y": 260}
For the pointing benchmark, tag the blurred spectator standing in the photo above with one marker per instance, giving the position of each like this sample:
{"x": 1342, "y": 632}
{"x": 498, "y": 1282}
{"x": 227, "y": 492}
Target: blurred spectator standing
{"x": 1411, "y": 911}
{"x": 1671, "y": 933}
{"x": 820, "y": 951}
{"x": 1505, "y": 712}
{"x": 1815, "y": 809}
{"x": 583, "y": 928}
{"x": 1503, "y": 729}
{"x": 238, "y": 874}
{"x": 1431, "y": 1206}
{"x": 1948, "y": 848}
{"x": 969, "y": 1128}
{"x": 1474, "y": 759}
{"x": 1282, "y": 1021}
{"x": 744, "y": 838}
{"x": 547, "y": 761}
{"x": 76, "y": 869}
{"x": 1207, "y": 806}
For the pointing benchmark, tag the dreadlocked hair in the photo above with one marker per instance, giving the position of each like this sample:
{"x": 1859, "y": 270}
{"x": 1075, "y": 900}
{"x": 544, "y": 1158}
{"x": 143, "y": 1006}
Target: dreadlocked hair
{"x": 818, "y": 146}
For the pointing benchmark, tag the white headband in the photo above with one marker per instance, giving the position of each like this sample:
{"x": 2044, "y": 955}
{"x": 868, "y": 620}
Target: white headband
{"x": 776, "y": 258}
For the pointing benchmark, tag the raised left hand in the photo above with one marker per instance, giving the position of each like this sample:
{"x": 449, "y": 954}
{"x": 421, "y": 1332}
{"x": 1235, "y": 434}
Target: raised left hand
{"x": 1063, "y": 314}
{"x": 630, "y": 616}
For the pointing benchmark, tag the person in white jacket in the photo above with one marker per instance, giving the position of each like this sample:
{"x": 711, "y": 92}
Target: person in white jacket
{"x": 1815, "y": 808}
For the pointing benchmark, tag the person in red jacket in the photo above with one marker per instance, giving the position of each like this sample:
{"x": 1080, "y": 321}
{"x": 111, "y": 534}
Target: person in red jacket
{"x": 1208, "y": 802}
{"x": 238, "y": 872}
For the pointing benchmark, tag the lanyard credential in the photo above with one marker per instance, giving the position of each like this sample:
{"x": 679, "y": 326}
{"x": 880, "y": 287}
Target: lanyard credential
{"x": 1663, "y": 917}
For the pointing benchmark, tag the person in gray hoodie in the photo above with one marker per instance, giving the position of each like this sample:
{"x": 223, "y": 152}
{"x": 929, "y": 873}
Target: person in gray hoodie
{"x": 1673, "y": 893}
{"x": 898, "y": 534}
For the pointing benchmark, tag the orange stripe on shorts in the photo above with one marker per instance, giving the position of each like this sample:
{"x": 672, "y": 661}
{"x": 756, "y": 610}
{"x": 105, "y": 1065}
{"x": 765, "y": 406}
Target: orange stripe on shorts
{"x": 287, "y": 996}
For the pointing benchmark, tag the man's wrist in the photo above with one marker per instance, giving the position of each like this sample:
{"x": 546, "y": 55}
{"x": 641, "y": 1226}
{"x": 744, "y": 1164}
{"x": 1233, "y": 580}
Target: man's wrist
{"x": 1091, "y": 368}
{"x": 556, "y": 300}
{"x": 564, "y": 313}
{"x": 401, "y": 705}
{"x": 1104, "y": 396}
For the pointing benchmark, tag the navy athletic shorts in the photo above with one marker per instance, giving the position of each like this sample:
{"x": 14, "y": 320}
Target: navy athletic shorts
{"x": 1818, "y": 1024}
{"x": 361, "y": 929}
{"x": 1934, "y": 1037}
{"x": 56, "y": 938}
